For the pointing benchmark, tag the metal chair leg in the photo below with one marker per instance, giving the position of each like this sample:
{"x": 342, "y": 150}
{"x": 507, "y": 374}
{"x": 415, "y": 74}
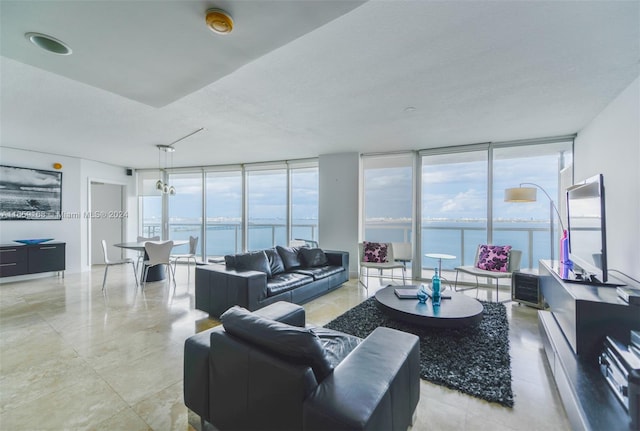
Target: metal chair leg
{"x": 135, "y": 272}
{"x": 360, "y": 279}
{"x": 466, "y": 288}
{"x": 172, "y": 272}
{"x": 144, "y": 276}
{"x": 104, "y": 279}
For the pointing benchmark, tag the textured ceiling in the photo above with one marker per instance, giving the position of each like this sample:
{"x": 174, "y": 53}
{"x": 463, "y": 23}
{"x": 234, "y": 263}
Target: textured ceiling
{"x": 301, "y": 78}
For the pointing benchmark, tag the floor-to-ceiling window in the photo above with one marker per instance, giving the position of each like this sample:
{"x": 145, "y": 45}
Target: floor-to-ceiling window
{"x": 266, "y": 207}
{"x": 232, "y": 209}
{"x": 304, "y": 201}
{"x": 185, "y": 208}
{"x": 388, "y": 201}
{"x": 150, "y": 204}
{"x": 526, "y": 226}
{"x": 453, "y": 206}
{"x": 223, "y": 212}
{"x": 462, "y": 200}
{"x": 388, "y": 197}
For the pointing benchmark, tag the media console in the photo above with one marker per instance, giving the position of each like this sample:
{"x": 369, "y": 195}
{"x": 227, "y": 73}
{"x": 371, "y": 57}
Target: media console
{"x": 573, "y": 332}
{"x": 21, "y": 259}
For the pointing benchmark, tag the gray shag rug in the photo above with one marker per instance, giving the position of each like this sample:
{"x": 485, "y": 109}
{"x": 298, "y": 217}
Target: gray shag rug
{"x": 474, "y": 360}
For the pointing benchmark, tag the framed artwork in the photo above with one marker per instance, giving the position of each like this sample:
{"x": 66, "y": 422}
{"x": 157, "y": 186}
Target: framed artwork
{"x": 30, "y": 194}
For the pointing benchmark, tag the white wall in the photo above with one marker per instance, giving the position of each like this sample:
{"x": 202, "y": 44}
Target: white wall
{"x": 610, "y": 144}
{"x": 339, "y": 196}
{"x": 73, "y": 228}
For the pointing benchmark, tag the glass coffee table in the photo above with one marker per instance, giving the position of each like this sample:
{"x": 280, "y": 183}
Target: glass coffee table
{"x": 460, "y": 310}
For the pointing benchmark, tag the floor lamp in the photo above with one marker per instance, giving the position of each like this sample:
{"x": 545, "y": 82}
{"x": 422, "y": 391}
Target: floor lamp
{"x": 528, "y": 194}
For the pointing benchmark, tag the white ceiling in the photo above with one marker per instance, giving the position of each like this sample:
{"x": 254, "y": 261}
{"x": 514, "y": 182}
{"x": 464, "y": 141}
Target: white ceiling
{"x": 297, "y": 79}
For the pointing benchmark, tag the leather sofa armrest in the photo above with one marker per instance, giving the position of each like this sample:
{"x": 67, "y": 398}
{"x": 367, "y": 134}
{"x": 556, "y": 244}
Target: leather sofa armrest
{"x": 196, "y": 372}
{"x": 218, "y": 289}
{"x": 285, "y": 312}
{"x": 338, "y": 258}
{"x": 376, "y": 387}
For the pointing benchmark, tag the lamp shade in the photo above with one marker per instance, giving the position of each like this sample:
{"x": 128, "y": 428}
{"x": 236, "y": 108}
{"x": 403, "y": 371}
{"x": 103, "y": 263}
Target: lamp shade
{"x": 520, "y": 194}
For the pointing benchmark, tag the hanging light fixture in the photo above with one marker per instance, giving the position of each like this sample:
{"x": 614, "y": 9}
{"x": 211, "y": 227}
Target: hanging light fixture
{"x": 160, "y": 184}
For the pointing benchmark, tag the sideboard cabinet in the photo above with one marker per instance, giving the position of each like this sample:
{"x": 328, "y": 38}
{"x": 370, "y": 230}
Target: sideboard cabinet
{"x": 21, "y": 259}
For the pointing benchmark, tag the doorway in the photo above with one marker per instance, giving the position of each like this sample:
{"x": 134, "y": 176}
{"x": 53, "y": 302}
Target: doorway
{"x": 106, "y": 218}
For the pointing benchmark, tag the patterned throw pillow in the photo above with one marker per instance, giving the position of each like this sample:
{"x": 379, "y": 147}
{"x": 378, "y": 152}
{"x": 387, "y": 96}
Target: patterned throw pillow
{"x": 375, "y": 252}
{"x": 494, "y": 257}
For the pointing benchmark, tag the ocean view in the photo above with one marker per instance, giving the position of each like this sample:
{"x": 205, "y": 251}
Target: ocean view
{"x": 456, "y": 237}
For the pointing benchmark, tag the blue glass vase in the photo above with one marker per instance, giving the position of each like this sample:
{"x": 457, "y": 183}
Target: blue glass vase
{"x": 435, "y": 288}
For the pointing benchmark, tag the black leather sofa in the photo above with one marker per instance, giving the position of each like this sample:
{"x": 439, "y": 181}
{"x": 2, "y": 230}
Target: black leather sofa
{"x": 254, "y": 280}
{"x": 264, "y": 370}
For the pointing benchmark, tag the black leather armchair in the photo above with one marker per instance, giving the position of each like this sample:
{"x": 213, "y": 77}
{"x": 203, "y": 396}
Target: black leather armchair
{"x": 266, "y": 371}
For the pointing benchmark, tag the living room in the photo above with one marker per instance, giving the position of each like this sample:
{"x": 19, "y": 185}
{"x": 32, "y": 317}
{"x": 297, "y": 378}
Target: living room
{"x": 607, "y": 137}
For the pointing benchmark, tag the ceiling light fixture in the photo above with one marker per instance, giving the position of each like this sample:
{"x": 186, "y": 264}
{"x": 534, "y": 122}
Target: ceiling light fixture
{"x": 48, "y": 43}
{"x": 160, "y": 184}
{"x": 219, "y": 21}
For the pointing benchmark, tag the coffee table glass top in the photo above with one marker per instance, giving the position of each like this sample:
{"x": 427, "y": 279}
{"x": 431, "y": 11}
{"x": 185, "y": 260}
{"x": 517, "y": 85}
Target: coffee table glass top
{"x": 460, "y": 310}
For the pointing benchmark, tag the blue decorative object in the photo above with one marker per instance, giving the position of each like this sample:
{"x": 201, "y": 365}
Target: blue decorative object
{"x": 435, "y": 287}
{"x": 422, "y": 294}
{"x": 32, "y": 241}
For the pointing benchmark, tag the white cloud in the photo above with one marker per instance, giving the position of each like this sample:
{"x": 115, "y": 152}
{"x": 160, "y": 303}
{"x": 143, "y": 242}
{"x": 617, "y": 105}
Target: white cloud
{"x": 467, "y": 202}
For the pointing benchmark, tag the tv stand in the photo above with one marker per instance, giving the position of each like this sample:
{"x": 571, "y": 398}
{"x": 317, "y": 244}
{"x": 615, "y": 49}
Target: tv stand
{"x": 581, "y": 315}
{"x": 571, "y": 276}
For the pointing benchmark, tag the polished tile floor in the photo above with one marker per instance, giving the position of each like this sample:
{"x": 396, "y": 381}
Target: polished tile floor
{"x": 73, "y": 358}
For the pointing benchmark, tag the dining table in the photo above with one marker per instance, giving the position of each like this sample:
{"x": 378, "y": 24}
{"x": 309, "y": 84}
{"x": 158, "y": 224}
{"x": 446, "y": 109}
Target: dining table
{"x": 155, "y": 273}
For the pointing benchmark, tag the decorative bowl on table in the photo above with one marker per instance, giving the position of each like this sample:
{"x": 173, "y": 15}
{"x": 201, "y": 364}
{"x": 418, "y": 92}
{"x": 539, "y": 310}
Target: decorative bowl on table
{"x": 32, "y": 241}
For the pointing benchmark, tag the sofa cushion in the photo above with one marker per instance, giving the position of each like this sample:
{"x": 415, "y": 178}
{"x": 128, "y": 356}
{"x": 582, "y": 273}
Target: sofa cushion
{"x": 286, "y": 281}
{"x": 253, "y": 261}
{"x": 493, "y": 257}
{"x": 320, "y": 272}
{"x": 313, "y": 257}
{"x": 275, "y": 261}
{"x": 337, "y": 345}
{"x": 300, "y": 345}
{"x": 375, "y": 252}
{"x": 290, "y": 257}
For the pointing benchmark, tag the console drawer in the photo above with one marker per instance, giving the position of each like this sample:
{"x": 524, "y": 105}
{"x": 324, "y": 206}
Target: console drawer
{"x": 47, "y": 257}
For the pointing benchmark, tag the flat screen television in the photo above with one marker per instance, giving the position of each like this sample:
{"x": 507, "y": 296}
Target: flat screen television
{"x": 588, "y": 229}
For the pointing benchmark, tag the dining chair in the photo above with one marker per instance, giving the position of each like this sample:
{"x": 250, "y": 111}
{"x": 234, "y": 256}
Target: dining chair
{"x": 141, "y": 253}
{"x": 193, "y": 245}
{"x": 158, "y": 254}
{"x": 108, "y": 263}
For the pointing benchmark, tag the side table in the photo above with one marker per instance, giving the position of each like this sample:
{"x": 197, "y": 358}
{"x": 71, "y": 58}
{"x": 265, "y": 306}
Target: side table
{"x": 440, "y": 257}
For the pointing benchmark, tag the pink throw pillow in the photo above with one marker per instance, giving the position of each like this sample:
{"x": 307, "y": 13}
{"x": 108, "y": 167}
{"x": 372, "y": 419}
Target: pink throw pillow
{"x": 375, "y": 252}
{"x": 494, "y": 257}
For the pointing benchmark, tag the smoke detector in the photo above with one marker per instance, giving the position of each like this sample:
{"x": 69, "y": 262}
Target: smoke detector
{"x": 219, "y": 21}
